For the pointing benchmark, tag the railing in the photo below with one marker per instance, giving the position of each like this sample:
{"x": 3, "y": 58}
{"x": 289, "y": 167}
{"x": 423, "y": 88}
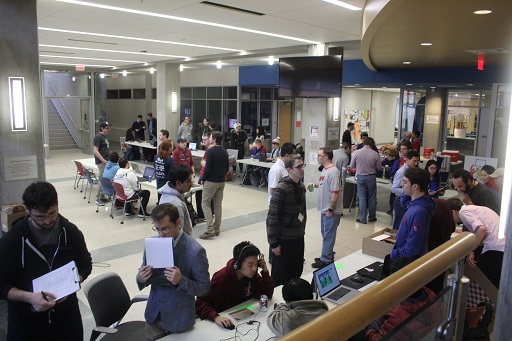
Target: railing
{"x": 69, "y": 118}
{"x": 349, "y": 318}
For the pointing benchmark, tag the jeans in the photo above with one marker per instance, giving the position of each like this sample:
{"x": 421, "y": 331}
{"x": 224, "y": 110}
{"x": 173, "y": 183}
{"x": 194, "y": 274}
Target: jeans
{"x": 398, "y": 213}
{"x": 367, "y": 194}
{"x": 144, "y": 195}
{"x": 215, "y": 191}
{"x": 329, "y": 227}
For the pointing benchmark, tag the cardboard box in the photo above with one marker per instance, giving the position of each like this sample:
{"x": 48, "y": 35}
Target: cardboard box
{"x": 11, "y": 213}
{"x": 379, "y": 248}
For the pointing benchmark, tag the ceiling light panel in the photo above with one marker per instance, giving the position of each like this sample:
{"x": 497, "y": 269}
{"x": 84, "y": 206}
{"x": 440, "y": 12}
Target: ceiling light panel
{"x": 110, "y": 51}
{"x": 87, "y": 58}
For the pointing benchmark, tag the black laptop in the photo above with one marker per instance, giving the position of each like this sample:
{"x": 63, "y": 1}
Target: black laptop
{"x": 263, "y": 158}
{"x": 148, "y": 172}
{"x": 373, "y": 271}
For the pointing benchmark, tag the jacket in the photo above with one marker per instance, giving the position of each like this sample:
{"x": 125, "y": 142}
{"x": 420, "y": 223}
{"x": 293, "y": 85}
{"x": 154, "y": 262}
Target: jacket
{"x": 228, "y": 291}
{"x": 289, "y": 316}
{"x": 182, "y": 157}
{"x": 162, "y": 168}
{"x": 238, "y": 139}
{"x": 412, "y": 238}
{"x": 127, "y": 178}
{"x": 172, "y": 196}
{"x": 110, "y": 170}
{"x": 175, "y": 303}
{"x": 185, "y": 131}
{"x": 255, "y": 151}
{"x": 22, "y": 262}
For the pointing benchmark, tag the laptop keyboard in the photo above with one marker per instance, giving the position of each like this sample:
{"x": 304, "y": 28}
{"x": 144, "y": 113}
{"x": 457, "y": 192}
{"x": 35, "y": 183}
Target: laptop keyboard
{"x": 338, "y": 293}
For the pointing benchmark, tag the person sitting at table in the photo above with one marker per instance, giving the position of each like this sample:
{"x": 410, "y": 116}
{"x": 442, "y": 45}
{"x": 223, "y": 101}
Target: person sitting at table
{"x": 434, "y": 185}
{"x": 127, "y": 178}
{"x": 139, "y": 129}
{"x": 163, "y": 164}
{"x": 487, "y": 180}
{"x": 236, "y": 283}
{"x": 112, "y": 166}
{"x": 256, "y": 179}
{"x": 299, "y": 309}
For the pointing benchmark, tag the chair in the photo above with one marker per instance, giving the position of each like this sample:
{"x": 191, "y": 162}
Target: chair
{"x": 80, "y": 175}
{"x": 107, "y": 189}
{"x": 121, "y": 196}
{"x": 122, "y": 143}
{"x": 91, "y": 180}
{"x": 109, "y": 301}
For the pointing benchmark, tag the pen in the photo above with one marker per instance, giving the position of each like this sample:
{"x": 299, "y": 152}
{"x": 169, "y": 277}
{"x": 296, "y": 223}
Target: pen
{"x": 44, "y": 296}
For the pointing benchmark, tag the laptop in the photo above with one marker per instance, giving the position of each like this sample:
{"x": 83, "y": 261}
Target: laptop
{"x": 373, "y": 271}
{"x": 263, "y": 158}
{"x": 148, "y": 172}
{"x": 135, "y": 167}
{"x": 329, "y": 286}
{"x": 232, "y": 152}
{"x": 192, "y": 146}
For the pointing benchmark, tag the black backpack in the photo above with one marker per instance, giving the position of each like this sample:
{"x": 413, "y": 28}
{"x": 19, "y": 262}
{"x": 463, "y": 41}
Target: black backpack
{"x": 480, "y": 332}
{"x": 192, "y": 212}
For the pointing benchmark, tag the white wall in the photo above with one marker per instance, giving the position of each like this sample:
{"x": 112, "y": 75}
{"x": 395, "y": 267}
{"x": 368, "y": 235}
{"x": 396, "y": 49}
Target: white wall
{"x": 227, "y": 76}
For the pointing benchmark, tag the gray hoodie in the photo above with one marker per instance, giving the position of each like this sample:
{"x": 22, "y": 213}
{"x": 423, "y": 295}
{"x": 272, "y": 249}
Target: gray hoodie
{"x": 185, "y": 131}
{"x": 289, "y": 316}
{"x": 172, "y": 196}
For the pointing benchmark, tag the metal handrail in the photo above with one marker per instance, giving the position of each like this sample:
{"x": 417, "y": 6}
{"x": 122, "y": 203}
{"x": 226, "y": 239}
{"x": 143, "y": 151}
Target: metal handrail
{"x": 349, "y": 318}
{"x": 65, "y": 109}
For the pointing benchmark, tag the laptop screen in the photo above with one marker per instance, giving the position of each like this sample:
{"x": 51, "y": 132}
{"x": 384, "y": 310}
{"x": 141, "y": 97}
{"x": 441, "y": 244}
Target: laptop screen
{"x": 149, "y": 171}
{"x": 192, "y": 145}
{"x": 326, "y": 279}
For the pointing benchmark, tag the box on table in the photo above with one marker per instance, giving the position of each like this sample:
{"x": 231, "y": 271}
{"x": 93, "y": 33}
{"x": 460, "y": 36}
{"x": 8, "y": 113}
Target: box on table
{"x": 380, "y": 248}
{"x": 11, "y": 213}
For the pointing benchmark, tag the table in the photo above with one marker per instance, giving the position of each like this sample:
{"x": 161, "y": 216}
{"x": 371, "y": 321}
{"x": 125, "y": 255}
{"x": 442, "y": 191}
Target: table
{"x": 143, "y": 144}
{"x": 208, "y": 330}
{"x": 198, "y": 153}
{"x": 255, "y": 163}
{"x": 88, "y": 163}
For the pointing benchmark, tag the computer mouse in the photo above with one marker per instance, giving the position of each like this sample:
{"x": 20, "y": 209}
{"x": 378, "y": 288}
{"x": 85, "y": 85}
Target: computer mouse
{"x": 357, "y": 278}
{"x": 230, "y": 327}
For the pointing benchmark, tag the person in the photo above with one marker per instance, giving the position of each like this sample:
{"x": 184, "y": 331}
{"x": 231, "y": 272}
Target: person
{"x": 276, "y": 150}
{"x": 199, "y": 194}
{"x": 412, "y": 160}
{"x": 405, "y": 147}
{"x": 471, "y": 191}
{"x": 364, "y": 136}
{"x": 330, "y": 205}
{"x": 214, "y": 181}
{"x": 205, "y": 140}
{"x": 236, "y": 283}
{"x": 182, "y": 155}
{"x": 407, "y": 137}
{"x": 434, "y": 186}
{"x": 286, "y": 223}
{"x": 131, "y": 152}
{"x": 170, "y": 307}
{"x": 162, "y": 136}
{"x": 389, "y": 162}
{"x": 238, "y": 138}
{"x": 185, "y": 130}
{"x": 127, "y": 178}
{"x": 180, "y": 182}
{"x": 487, "y": 180}
{"x": 163, "y": 164}
{"x": 206, "y": 128}
{"x": 257, "y": 174}
{"x": 412, "y": 238}
{"x": 347, "y": 134}
{"x": 416, "y": 143}
{"x": 484, "y": 223}
{"x": 139, "y": 128}
{"x": 498, "y": 175}
{"x": 366, "y": 163}
{"x": 299, "y": 309}
{"x": 258, "y": 148}
{"x": 341, "y": 160}
{"x": 101, "y": 148}
{"x": 112, "y": 166}
{"x": 259, "y": 135}
{"x": 40, "y": 242}
{"x": 152, "y": 135}
{"x": 278, "y": 169}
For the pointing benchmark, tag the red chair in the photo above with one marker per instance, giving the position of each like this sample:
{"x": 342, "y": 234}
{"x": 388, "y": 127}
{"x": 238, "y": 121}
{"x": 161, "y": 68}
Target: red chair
{"x": 121, "y": 196}
{"x": 80, "y": 175}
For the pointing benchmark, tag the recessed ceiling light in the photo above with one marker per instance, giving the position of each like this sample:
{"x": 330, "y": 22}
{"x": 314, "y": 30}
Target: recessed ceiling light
{"x": 181, "y": 67}
{"x": 125, "y": 73}
{"x": 218, "y": 64}
{"x": 344, "y": 5}
{"x": 469, "y": 84}
{"x": 409, "y": 84}
{"x": 406, "y": 63}
{"x": 426, "y": 44}
{"x": 271, "y": 60}
{"x": 357, "y": 84}
{"x": 483, "y": 11}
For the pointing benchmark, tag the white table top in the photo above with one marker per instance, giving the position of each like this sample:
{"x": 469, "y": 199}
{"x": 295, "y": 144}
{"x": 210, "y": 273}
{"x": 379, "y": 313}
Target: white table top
{"x": 88, "y": 163}
{"x": 197, "y": 153}
{"x": 208, "y": 330}
{"x": 256, "y": 163}
{"x": 141, "y": 144}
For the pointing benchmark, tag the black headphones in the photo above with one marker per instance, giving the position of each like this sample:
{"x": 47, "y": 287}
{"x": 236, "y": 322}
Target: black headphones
{"x": 238, "y": 263}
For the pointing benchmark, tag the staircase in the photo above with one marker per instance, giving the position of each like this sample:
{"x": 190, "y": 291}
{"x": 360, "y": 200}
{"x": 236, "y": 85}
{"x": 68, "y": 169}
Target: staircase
{"x": 60, "y": 138}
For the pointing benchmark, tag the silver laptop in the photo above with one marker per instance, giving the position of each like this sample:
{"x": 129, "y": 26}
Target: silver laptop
{"x": 192, "y": 146}
{"x": 135, "y": 167}
{"x": 232, "y": 152}
{"x": 329, "y": 286}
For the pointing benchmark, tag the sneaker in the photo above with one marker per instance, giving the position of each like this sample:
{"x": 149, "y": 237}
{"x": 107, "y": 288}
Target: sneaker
{"x": 127, "y": 214}
{"x": 318, "y": 264}
{"x": 100, "y": 202}
{"x": 207, "y": 235}
{"x": 371, "y": 220}
{"x": 144, "y": 215}
{"x": 360, "y": 222}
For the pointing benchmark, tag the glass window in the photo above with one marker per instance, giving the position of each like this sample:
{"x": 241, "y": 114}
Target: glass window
{"x": 112, "y": 94}
{"x": 215, "y": 113}
{"x": 249, "y": 93}
{"x": 125, "y": 93}
{"x": 411, "y": 102}
{"x": 266, "y": 116}
{"x": 265, "y": 93}
{"x": 230, "y": 92}
{"x": 463, "y": 98}
{"x": 186, "y": 92}
{"x": 154, "y": 93}
{"x": 139, "y": 93}
{"x": 214, "y": 92}
{"x": 200, "y": 93}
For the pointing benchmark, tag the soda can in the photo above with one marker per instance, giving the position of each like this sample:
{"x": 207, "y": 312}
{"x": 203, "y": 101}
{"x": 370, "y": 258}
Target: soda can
{"x": 311, "y": 187}
{"x": 150, "y": 178}
{"x": 264, "y": 302}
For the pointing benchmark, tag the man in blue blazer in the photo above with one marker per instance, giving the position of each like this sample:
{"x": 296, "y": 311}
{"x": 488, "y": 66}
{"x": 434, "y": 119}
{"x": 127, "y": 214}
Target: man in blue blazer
{"x": 170, "y": 308}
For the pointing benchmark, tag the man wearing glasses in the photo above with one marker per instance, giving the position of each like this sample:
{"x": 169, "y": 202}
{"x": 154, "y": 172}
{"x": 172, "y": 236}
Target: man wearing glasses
{"x": 177, "y": 286}
{"x": 330, "y": 205}
{"x": 101, "y": 148}
{"x": 286, "y": 223}
{"x": 39, "y": 243}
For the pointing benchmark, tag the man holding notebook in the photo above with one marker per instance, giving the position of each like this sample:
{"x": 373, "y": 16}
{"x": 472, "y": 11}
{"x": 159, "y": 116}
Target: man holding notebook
{"x": 39, "y": 243}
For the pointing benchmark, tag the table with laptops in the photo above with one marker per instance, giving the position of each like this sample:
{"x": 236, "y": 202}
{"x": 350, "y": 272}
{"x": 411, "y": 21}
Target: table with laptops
{"x": 262, "y": 160}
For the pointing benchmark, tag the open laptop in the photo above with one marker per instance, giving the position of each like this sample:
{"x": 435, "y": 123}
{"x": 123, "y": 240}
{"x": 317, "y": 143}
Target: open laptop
{"x": 263, "y": 158}
{"x": 135, "y": 167}
{"x": 329, "y": 286}
{"x": 232, "y": 152}
{"x": 192, "y": 146}
{"x": 373, "y": 271}
{"x": 148, "y": 172}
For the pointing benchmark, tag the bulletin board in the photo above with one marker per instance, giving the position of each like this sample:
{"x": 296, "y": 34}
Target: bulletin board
{"x": 361, "y": 120}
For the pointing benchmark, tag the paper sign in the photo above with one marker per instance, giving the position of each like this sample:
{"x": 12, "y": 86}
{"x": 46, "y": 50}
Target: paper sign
{"x": 159, "y": 252}
{"x": 60, "y": 282}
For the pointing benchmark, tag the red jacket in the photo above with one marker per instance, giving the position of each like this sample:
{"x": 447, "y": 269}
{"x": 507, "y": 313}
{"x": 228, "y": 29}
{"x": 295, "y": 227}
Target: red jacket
{"x": 182, "y": 157}
{"x": 228, "y": 291}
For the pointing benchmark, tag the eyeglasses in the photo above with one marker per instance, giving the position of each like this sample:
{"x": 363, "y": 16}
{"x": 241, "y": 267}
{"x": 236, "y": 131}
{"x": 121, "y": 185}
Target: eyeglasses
{"x": 44, "y": 217}
{"x": 301, "y": 166}
{"x": 163, "y": 230}
{"x": 322, "y": 155}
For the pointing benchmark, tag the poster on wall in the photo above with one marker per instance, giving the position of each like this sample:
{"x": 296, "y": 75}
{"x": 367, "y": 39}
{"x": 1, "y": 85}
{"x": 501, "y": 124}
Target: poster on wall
{"x": 361, "y": 120}
{"x": 474, "y": 164}
{"x": 20, "y": 168}
{"x": 314, "y": 131}
{"x": 333, "y": 133}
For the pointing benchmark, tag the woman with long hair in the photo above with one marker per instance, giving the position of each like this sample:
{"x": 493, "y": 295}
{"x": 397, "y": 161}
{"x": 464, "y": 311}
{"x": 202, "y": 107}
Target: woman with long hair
{"x": 434, "y": 185}
{"x": 163, "y": 163}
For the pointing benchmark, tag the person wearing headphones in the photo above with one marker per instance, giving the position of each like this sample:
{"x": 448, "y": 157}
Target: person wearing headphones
{"x": 236, "y": 283}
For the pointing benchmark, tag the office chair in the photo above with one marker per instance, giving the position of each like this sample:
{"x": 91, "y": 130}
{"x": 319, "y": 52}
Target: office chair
{"x": 107, "y": 189}
{"x": 91, "y": 180}
{"x": 109, "y": 301}
{"x": 121, "y": 196}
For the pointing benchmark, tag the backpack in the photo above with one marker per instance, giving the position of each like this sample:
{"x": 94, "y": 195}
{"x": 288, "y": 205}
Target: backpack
{"x": 255, "y": 179}
{"x": 477, "y": 321}
{"x": 192, "y": 213}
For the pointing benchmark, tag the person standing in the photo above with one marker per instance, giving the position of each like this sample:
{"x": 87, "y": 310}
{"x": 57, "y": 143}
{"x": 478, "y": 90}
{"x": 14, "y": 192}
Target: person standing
{"x": 206, "y": 142}
{"x": 182, "y": 155}
{"x": 214, "y": 181}
{"x": 206, "y": 128}
{"x": 238, "y": 138}
{"x": 330, "y": 205}
{"x": 171, "y": 303}
{"x": 411, "y": 161}
{"x": 163, "y": 164}
{"x": 366, "y": 163}
{"x": 101, "y": 148}
{"x": 341, "y": 160}
{"x": 347, "y": 134}
{"x": 41, "y": 242}
{"x": 471, "y": 191}
{"x": 185, "y": 129}
{"x": 151, "y": 127}
{"x": 416, "y": 143}
{"x": 278, "y": 169}
{"x": 286, "y": 223}
{"x": 139, "y": 128}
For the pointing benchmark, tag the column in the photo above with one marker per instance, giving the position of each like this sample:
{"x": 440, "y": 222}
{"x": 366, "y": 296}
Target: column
{"x": 168, "y": 81}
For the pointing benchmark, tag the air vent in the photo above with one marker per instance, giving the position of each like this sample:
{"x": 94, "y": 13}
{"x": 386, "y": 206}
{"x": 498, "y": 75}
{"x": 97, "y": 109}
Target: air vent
{"x": 230, "y": 8}
{"x": 498, "y": 50}
{"x": 92, "y": 41}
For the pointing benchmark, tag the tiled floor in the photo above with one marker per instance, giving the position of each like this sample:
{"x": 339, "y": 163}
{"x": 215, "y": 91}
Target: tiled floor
{"x": 118, "y": 248}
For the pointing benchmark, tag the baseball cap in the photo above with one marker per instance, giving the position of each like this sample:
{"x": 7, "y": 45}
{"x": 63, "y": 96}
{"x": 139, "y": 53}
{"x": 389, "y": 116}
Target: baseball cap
{"x": 104, "y": 124}
{"x": 498, "y": 172}
{"x": 180, "y": 140}
{"x": 237, "y": 124}
{"x": 275, "y": 141}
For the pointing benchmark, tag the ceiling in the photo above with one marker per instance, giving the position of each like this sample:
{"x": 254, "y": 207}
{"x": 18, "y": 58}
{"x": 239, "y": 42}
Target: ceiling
{"x": 108, "y": 37}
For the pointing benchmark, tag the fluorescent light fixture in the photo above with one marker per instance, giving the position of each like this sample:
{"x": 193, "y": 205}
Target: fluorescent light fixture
{"x": 74, "y": 64}
{"x": 483, "y": 11}
{"x": 73, "y": 78}
{"x": 193, "y": 21}
{"x": 174, "y": 101}
{"x": 112, "y": 51}
{"x": 219, "y": 64}
{"x": 151, "y": 70}
{"x": 181, "y": 67}
{"x": 17, "y": 104}
{"x": 271, "y": 60}
{"x": 135, "y": 38}
{"x": 426, "y": 44}
{"x": 409, "y": 84}
{"x": 507, "y": 186}
{"x": 125, "y": 73}
{"x": 406, "y": 63}
{"x": 336, "y": 109}
{"x": 87, "y": 58}
{"x": 344, "y": 5}
{"x": 102, "y": 75}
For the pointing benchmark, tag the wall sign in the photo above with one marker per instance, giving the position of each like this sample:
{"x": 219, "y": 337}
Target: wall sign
{"x": 20, "y": 168}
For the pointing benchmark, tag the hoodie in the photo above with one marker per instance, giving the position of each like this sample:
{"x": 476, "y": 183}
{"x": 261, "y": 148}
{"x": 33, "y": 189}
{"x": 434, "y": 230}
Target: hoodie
{"x": 110, "y": 170}
{"x": 412, "y": 238}
{"x": 289, "y": 316}
{"x": 127, "y": 178}
{"x": 172, "y": 196}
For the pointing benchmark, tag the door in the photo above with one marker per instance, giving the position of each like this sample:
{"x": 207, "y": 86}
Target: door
{"x": 85, "y": 118}
{"x": 284, "y": 123}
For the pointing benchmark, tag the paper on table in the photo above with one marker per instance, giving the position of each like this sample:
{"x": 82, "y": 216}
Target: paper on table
{"x": 381, "y": 237}
{"x": 60, "y": 282}
{"x": 159, "y": 252}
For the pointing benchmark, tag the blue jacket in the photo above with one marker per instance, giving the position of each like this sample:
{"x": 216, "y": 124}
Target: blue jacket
{"x": 412, "y": 239}
{"x": 110, "y": 170}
